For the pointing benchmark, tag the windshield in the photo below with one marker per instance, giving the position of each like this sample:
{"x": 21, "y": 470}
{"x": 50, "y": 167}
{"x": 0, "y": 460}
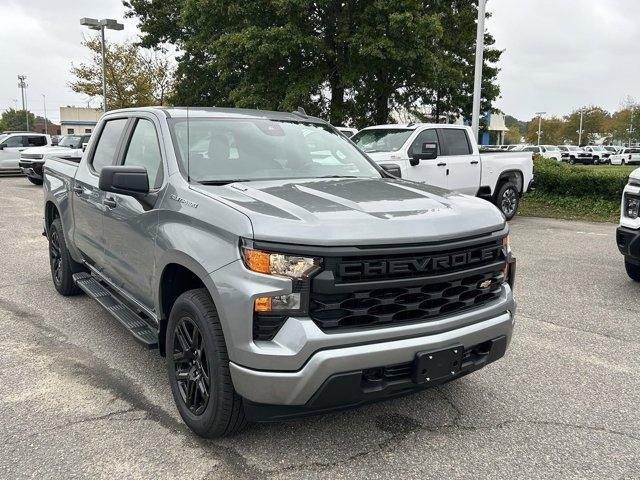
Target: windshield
{"x": 574, "y": 149}
{"x": 2, "y": 137}
{"x": 551, "y": 148}
{"x": 227, "y": 150}
{"x": 381, "y": 139}
{"x": 597, "y": 149}
{"x": 72, "y": 141}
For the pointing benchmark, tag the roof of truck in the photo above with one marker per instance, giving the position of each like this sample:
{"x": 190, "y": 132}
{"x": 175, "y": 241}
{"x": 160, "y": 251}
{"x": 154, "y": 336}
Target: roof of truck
{"x": 215, "y": 112}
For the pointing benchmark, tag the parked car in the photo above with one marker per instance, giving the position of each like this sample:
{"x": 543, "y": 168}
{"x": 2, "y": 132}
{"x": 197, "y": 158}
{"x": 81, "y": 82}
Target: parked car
{"x": 447, "y": 156}
{"x": 573, "y": 155}
{"x": 600, "y": 154}
{"x": 11, "y": 144}
{"x": 626, "y": 156}
{"x": 278, "y": 280}
{"x": 628, "y": 232}
{"x": 347, "y": 131}
{"x": 550, "y": 152}
{"x": 32, "y": 159}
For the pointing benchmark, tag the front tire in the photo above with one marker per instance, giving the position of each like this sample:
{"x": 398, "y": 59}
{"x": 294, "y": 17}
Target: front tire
{"x": 508, "y": 199}
{"x": 62, "y": 265}
{"x": 633, "y": 270}
{"x": 35, "y": 181}
{"x": 198, "y": 368}
{"x": 572, "y": 160}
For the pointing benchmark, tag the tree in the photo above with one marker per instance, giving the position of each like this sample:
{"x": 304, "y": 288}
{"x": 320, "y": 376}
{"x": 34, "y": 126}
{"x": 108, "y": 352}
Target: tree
{"x": 12, "y": 119}
{"x": 352, "y": 62}
{"x": 552, "y": 131}
{"x": 134, "y": 77}
{"x": 513, "y": 135}
{"x": 595, "y": 123}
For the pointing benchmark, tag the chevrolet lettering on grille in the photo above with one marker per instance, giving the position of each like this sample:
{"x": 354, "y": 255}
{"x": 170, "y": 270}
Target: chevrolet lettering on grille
{"x": 418, "y": 265}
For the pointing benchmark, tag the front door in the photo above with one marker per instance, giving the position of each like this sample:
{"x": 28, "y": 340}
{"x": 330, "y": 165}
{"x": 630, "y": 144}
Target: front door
{"x": 432, "y": 172}
{"x": 463, "y": 166}
{"x": 130, "y": 224}
{"x": 10, "y": 153}
{"x": 88, "y": 199}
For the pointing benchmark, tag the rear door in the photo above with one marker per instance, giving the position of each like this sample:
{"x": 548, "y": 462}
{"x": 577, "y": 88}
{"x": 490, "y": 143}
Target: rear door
{"x": 432, "y": 172}
{"x": 130, "y": 224}
{"x": 88, "y": 199}
{"x": 462, "y": 165}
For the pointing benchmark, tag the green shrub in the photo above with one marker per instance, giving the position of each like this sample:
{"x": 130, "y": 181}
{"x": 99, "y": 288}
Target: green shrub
{"x": 604, "y": 182}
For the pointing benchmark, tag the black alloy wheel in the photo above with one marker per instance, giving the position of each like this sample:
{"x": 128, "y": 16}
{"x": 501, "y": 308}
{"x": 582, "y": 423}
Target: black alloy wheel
{"x": 191, "y": 366}
{"x": 55, "y": 257}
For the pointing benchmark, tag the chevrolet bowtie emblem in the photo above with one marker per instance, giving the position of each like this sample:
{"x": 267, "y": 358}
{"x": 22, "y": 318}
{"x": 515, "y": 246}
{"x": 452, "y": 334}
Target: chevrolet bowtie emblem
{"x": 485, "y": 284}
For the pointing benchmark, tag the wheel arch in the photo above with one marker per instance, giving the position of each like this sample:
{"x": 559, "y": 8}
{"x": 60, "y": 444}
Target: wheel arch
{"x": 516, "y": 176}
{"x": 51, "y": 212}
{"x": 178, "y": 274}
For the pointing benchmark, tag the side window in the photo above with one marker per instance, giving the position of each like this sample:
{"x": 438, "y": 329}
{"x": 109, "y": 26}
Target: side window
{"x": 456, "y": 142}
{"x": 15, "y": 141}
{"x": 105, "y": 152}
{"x": 144, "y": 151}
{"x": 426, "y": 136}
{"x": 36, "y": 141}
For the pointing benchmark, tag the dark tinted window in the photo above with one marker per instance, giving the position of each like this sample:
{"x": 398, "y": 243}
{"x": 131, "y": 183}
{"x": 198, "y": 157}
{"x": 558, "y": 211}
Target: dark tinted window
{"x": 70, "y": 131}
{"x": 426, "y": 136}
{"x": 105, "y": 152}
{"x": 36, "y": 141}
{"x": 144, "y": 151}
{"x": 456, "y": 141}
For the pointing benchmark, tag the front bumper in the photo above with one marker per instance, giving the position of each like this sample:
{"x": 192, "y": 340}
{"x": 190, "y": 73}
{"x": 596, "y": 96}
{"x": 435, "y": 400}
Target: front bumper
{"x": 628, "y": 241}
{"x": 313, "y": 388}
{"x": 32, "y": 169}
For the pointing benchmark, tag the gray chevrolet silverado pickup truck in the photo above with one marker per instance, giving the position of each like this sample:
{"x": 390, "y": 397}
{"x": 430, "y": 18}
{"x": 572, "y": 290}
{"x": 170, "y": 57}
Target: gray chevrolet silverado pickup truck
{"x": 278, "y": 269}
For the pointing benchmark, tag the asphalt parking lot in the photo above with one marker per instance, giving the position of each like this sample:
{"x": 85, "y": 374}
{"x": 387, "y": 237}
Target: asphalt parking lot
{"x": 80, "y": 398}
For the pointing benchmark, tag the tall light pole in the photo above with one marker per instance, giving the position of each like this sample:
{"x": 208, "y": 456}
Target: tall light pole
{"x": 539, "y": 114}
{"x": 580, "y": 130}
{"x": 22, "y": 84}
{"x": 95, "y": 24}
{"x": 44, "y": 104}
{"x": 477, "y": 81}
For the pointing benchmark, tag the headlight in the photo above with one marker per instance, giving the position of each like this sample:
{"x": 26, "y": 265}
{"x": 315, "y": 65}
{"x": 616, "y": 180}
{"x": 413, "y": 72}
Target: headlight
{"x": 631, "y": 205}
{"x": 292, "y": 266}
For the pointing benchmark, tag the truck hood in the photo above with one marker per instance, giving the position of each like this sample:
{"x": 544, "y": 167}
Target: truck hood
{"x": 356, "y": 211}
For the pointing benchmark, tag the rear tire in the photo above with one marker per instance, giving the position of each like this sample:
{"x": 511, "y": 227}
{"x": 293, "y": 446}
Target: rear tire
{"x": 633, "y": 270}
{"x": 62, "y": 265}
{"x": 198, "y": 368}
{"x": 35, "y": 181}
{"x": 508, "y": 199}
{"x": 572, "y": 160}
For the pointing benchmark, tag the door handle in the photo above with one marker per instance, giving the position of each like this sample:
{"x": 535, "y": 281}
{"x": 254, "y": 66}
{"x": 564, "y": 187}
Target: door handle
{"x": 110, "y": 202}
{"x": 474, "y": 162}
{"x": 442, "y": 164}
{"x": 78, "y": 190}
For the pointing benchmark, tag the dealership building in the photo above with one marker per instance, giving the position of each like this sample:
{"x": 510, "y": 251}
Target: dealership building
{"x": 78, "y": 119}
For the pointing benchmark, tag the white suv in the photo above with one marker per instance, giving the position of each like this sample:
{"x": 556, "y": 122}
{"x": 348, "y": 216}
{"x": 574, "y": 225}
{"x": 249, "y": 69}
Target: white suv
{"x": 11, "y": 144}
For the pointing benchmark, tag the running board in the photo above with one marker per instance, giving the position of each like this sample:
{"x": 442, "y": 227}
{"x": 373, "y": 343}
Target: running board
{"x": 127, "y": 317}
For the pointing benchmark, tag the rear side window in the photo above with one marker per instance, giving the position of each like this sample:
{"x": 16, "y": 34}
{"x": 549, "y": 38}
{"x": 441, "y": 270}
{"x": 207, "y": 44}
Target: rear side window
{"x": 455, "y": 141}
{"x": 144, "y": 151}
{"x": 106, "y": 150}
{"x": 36, "y": 141}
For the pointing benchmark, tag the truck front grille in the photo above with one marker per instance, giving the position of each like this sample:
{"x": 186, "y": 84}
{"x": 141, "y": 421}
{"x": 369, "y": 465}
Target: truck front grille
{"x": 358, "y": 300}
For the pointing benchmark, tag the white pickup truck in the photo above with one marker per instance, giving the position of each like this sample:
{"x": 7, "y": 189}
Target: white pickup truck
{"x": 447, "y": 156}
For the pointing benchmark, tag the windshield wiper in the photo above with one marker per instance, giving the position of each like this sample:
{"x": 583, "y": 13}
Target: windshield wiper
{"x": 222, "y": 182}
{"x": 337, "y": 176}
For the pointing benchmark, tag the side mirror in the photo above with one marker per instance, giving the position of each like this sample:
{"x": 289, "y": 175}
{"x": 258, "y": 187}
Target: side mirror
{"x": 425, "y": 151}
{"x": 84, "y": 146}
{"x": 125, "y": 180}
{"x": 392, "y": 169}
{"x": 2, "y": 146}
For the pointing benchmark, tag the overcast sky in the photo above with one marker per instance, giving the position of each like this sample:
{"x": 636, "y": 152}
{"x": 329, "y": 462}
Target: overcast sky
{"x": 559, "y": 54}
